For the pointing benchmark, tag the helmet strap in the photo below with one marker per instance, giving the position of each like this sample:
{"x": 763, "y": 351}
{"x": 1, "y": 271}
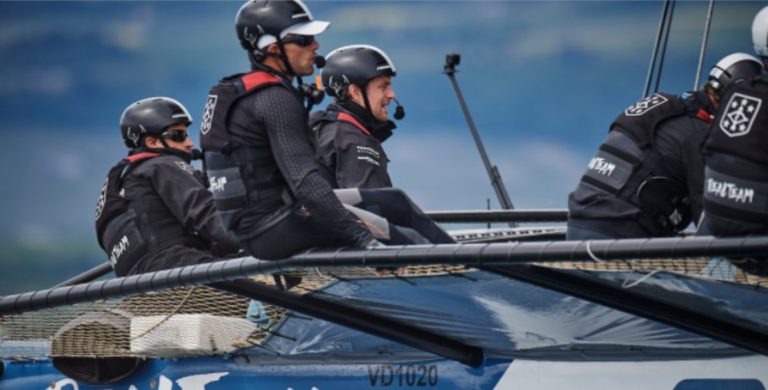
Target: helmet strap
{"x": 284, "y": 58}
{"x": 256, "y": 56}
{"x": 159, "y": 138}
{"x": 365, "y": 100}
{"x": 143, "y": 141}
{"x": 289, "y": 69}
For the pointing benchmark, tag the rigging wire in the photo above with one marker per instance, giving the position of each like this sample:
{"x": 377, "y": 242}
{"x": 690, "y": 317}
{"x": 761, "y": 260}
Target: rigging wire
{"x": 704, "y": 41}
{"x": 652, "y": 64}
{"x": 664, "y": 47}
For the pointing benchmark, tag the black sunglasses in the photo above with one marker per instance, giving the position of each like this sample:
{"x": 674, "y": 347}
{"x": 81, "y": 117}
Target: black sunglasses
{"x": 176, "y": 135}
{"x": 301, "y": 40}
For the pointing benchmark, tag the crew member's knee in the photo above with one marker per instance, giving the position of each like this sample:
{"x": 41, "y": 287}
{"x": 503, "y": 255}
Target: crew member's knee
{"x": 397, "y": 196}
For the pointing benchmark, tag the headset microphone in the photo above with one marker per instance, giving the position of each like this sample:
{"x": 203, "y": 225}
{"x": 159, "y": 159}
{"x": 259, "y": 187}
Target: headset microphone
{"x": 399, "y": 111}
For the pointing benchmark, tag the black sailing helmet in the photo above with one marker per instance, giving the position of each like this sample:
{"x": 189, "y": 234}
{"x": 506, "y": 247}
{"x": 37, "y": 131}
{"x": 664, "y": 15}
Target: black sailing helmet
{"x": 354, "y": 64}
{"x": 260, "y": 23}
{"x": 732, "y": 69}
{"x": 151, "y": 116}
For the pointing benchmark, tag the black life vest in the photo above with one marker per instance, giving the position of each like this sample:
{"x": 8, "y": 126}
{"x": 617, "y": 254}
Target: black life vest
{"x": 350, "y": 112}
{"x": 117, "y": 227}
{"x": 317, "y": 121}
{"x": 339, "y": 116}
{"x": 239, "y": 176}
{"x": 629, "y": 166}
{"x": 736, "y": 162}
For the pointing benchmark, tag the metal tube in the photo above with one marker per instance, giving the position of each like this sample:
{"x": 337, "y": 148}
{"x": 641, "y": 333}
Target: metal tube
{"x": 493, "y": 171}
{"x": 517, "y": 215}
{"x": 87, "y": 276}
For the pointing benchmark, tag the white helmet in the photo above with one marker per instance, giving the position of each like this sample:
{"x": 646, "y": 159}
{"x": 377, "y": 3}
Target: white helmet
{"x": 733, "y": 69}
{"x": 760, "y": 33}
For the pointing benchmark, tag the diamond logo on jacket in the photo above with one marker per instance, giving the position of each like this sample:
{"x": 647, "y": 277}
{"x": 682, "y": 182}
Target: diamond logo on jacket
{"x": 645, "y": 105}
{"x": 210, "y": 106}
{"x": 740, "y": 114}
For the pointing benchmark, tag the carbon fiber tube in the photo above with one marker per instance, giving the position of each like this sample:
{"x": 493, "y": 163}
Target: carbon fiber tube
{"x": 477, "y": 255}
{"x": 87, "y": 276}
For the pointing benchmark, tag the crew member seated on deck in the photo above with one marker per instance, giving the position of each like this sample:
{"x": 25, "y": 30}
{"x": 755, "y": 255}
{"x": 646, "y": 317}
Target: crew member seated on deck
{"x": 647, "y": 176}
{"x": 736, "y": 153}
{"x": 736, "y": 160}
{"x": 260, "y": 153}
{"x": 351, "y": 130}
{"x": 154, "y": 211}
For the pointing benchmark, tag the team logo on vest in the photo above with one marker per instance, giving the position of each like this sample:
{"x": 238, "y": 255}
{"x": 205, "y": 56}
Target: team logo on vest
{"x": 218, "y": 183}
{"x": 118, "y": 250}
{"x": 102, "y": 199}
{"x": 729, "y": 191}
{"x": 601, "y": 166}
{"x": 368, "y": 155}
{"x": 645, "y": 105}
{"x": 185, "y": 167}
{"x": 208, "y": 111}
{"x": 739, "y": 115}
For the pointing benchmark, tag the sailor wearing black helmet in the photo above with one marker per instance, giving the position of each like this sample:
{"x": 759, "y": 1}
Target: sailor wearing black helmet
{"x": 259, "y": 151}
{"x": 351, "y": 130}
{"x": 154, "y": 211}
{"x": 646, "y": 179}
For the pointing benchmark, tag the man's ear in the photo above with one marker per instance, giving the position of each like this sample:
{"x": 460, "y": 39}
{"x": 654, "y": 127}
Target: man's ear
{"x": 151, "y": 141}
{"x": 273, "y": 49}
{"x": 353, "y": 91}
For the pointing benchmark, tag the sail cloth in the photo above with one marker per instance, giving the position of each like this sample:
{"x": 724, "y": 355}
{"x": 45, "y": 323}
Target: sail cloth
{"x": 512, "y": 319}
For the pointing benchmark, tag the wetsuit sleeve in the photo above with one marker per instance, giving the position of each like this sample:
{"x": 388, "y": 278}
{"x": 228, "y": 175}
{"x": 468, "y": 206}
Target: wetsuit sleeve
{"x": 286, "y": 124}
{"x": 192, "y": 204}
{"x": 359, "y": 160}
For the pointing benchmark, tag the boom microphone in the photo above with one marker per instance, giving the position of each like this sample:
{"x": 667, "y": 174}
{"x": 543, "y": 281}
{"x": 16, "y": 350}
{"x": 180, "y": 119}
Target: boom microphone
{"x": 399, "y": 111}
